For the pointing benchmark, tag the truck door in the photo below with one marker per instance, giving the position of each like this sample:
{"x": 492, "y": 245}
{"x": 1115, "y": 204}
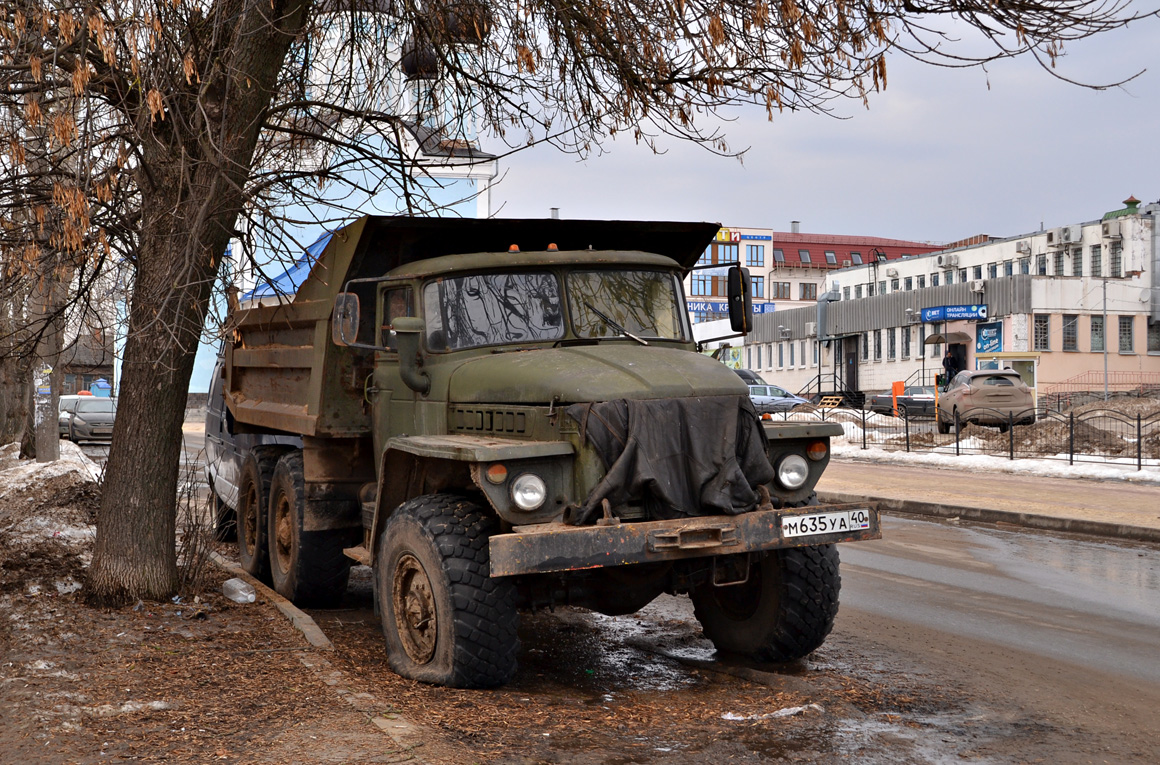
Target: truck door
{"x": 392, "y": 402}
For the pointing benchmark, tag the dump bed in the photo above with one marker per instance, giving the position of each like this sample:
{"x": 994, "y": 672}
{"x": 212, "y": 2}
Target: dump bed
{"x": 283, "y": 372}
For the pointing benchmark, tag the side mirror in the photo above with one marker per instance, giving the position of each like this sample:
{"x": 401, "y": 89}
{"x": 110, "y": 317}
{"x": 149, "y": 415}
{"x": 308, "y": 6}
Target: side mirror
{"x": 740, "y": 300}
{"x": 344, "y": 319}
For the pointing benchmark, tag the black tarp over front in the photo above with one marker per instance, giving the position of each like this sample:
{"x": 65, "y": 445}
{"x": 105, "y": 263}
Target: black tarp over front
{"x": 683, "y": 457}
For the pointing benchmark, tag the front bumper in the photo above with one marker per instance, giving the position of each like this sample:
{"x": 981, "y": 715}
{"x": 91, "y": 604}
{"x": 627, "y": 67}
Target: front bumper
{"x": 555, "y": 547}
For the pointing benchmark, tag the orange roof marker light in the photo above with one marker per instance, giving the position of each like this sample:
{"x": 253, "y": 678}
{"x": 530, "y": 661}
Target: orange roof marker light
{"x": 514, "y": 248}
{"x": 553, "y": 248}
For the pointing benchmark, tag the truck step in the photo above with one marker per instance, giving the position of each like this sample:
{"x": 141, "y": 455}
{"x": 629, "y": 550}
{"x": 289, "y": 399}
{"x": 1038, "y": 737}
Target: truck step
{"x": 358, "y": 554}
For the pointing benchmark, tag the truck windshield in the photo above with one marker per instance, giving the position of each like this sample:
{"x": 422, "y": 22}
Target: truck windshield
{"x": 642, "y": 303}
{"x": 492, "y": 309}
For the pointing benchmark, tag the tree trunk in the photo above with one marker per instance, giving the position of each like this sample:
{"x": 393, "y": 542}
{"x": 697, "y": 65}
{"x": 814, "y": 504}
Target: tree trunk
{"x": 191, "y": 191}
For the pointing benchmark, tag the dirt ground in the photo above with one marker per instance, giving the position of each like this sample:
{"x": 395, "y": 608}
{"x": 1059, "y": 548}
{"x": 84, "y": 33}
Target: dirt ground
{"x": 204, "y": 679}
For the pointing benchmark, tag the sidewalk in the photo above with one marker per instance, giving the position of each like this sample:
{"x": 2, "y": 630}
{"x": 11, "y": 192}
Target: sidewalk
{"x": 1102, "y": 508}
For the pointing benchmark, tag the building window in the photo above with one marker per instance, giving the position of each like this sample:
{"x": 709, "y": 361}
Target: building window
{"x": 1127, "y": 343}
{"x": 706, "y": 257}
{"x": 749, "y": 357}
{"x": 1058, "y": 263}
{"x": 780, "y": 355}
{"x": 906, "y": 342}
{"x": 816, "y": 350}
{"x": 1009, "y": 268}
{"x": 755, "y": 255}
{"x": 758, "y": 286}
{"x": 894, "y": 285}
{"x": 779, "y": 291}
{"x": 949, "y": 277}
{"x": 922, "y": 281}
{"x": 791, "y": 353}
{"x": 1153, "y": 336}
{"x": 870, "y": 289}
{"x": 778, "y": 256}
{"x": 934, "y": 280}
{"x": 1041, "y": 265}
{"x": 1042, "y": 332}
{"x": 962, "y": 275}
{"x": 1025, "y": 266}
{"x": 1077, "y": 261}
{"x": 1097, "y": 333}
{"x": 891, "y": 344}
{"x": 992, "y": 270}
{"x": 727, "y": 252}
{"x": 804, "y": 256}
{"x": 831, "y": 257}
{"x": 865, "y": 346}
{"x": 909, "y": 283}
{"x": 882, "y": 287}
{"x": 935, "y": 349}
{"x": 845, "y": 293}
{"x": 878, "y": 345}
{"x": 857, "y": 290}
{"x": 1115, "y": 258}
{"x": 856, "y": 257}
{"x": 802, "y": 358}
{"x": 702, "y": 285}
{"x": 809, "y": 291}
{"x": 1096, "y": 260}
{"x": 758, "y": 357}
{"x": 978, "y": 272}
{"x": 1070, "y": 332}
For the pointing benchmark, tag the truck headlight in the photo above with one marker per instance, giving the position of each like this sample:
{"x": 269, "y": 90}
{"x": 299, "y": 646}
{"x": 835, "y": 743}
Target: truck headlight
{"x": 793, "y": 471}
{"x": 529, "y": 491}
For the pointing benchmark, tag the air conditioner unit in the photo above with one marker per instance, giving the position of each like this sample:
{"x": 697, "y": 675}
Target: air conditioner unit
{"x": 1110, "y": 229}
{"x": 1054, "y": 239}
{"x": 892, "y": 272}
{"x": 1023, "y": 248}
{"x": 978, "y": 285}
{"x": 847, "y": 263}
{"x": 811, "y": 328}
{"x": 1071, "y": 234}
{"x": 947, "y": 260}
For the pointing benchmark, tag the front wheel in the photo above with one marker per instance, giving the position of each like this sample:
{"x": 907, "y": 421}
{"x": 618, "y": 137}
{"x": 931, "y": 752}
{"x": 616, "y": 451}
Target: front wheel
{"x": 782, "y": 613}
{"x": 445, "y": 620}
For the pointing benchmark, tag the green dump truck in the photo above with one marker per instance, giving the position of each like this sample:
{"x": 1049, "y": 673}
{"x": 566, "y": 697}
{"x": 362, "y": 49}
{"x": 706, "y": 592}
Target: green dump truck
{"x": 500, "y": 415}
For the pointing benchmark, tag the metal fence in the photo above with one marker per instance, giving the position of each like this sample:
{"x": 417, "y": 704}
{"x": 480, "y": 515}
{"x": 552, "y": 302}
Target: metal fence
{"x": 1095, "y": 435}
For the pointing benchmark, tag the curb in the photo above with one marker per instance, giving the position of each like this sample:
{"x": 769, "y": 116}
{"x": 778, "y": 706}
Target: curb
{"x": 989, "y": 515}
{"x": 302, "y": 622}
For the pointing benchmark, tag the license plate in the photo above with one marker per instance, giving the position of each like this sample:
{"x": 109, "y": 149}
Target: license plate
{"x": 825, "y": 523}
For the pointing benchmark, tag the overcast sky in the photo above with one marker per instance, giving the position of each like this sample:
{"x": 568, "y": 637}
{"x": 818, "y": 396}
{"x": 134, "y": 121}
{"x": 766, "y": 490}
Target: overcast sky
{"x": 939, "y": 156}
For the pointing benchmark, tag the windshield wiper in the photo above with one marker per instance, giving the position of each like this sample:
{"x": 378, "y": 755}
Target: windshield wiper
{"x": 612, "y": 323}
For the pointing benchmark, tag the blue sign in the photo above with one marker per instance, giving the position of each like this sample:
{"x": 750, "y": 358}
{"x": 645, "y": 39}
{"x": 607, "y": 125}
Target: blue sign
{"x": 954, "y": 313}
{"x": 989, "y": 338}
{"x": 705, "y": 306}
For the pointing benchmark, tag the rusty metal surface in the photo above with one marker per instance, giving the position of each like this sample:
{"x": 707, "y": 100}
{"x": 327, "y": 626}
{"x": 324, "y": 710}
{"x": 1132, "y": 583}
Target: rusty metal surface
{"x": 777, "y": 430}
{"x": 470, "y": 448}
{"x": 556, "y": 547}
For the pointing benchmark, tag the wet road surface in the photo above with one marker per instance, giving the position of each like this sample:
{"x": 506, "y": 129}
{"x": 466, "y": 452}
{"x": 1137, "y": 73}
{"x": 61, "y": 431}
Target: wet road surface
{"x": 965, "y": 644}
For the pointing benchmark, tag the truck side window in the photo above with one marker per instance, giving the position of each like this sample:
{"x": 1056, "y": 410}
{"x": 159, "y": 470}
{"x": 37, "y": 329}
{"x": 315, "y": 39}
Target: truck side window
{"x": 396, "y": 302}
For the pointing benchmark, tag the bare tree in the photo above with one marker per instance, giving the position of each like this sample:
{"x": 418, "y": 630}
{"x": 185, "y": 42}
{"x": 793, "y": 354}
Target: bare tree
{"x": 175, "y": 125}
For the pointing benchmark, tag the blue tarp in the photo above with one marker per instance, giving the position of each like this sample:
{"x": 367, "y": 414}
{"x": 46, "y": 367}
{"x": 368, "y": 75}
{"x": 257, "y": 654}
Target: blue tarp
{"x": 289, "y": 282}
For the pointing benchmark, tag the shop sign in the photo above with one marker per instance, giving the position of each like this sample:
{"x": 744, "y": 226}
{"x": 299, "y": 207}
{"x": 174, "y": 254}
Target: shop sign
{"x": 954, "y": 313}
{"x": 989, "y": 337}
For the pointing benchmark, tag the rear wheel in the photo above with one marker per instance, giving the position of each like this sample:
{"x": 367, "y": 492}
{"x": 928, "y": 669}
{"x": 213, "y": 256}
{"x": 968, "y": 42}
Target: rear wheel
{"x": 446, "y": 621}
{"x": 225, "y": 520}
{"x": 782, "y": 613}
{"x": 306, "y": 567}
{"x": 253, "y": 494}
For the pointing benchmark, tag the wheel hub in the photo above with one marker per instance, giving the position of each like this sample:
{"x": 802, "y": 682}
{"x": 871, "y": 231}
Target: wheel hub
{"x": 283, "y": 535}
{"x": 414, "y": 606}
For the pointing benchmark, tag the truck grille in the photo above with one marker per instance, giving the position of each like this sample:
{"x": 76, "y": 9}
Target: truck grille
{"x": 488, "y": 420}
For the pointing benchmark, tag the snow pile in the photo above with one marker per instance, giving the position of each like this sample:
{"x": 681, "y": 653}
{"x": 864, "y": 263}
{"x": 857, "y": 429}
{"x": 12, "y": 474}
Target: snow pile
{"x": 47, "y": 500}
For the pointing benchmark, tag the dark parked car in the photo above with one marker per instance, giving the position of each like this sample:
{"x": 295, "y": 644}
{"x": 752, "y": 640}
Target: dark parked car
{"x": 986, "y": 397}
{"x": 223, "y": 457}
{"x": 92, "y": 419}
{"x": 770, "y": 398}
{"x": 916, "y": 401}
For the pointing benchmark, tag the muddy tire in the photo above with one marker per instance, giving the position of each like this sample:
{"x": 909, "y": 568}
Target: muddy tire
{"x": 253, "y": 498}
{"x": 446, "y": 621}
{"x": 943, "y": 427}
{"x": 307, "y": 568}
{"x": 782, "y": 613}
{"x": 225, "y": 520}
